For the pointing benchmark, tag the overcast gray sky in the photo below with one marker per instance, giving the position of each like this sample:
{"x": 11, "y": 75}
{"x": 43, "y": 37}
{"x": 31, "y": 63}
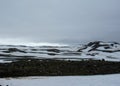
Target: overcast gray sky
{"x": 65, "y": 21}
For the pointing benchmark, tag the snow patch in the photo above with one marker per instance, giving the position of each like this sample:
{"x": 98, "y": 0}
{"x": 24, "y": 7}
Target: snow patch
{"x": 98, "y": 80}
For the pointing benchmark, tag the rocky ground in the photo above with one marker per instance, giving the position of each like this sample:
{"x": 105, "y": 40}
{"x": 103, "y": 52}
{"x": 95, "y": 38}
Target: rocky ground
{"x": 48, "y": 67}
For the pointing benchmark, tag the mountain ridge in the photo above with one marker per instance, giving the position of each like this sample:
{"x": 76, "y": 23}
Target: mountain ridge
{"x": 96, "y": 50}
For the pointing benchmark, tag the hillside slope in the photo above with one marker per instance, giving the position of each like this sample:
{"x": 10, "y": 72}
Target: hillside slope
{"x": 96, "y": 50}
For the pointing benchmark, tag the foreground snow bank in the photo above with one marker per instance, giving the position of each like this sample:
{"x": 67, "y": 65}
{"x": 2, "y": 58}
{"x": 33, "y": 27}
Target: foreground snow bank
{"x": 99, "y": 80}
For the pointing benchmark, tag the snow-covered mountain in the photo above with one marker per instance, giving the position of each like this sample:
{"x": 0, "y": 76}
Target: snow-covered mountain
{"x": 97, "y": 50}
{"x": 101, "y": 50}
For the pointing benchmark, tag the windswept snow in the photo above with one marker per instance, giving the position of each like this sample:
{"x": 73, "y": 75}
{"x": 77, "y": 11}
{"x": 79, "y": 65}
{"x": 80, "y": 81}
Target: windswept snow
{"x": 98, "y": 80}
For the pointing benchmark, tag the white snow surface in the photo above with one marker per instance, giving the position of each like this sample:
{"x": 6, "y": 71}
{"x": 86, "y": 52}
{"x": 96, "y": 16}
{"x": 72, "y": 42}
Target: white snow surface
{"x": 97, "y": 80}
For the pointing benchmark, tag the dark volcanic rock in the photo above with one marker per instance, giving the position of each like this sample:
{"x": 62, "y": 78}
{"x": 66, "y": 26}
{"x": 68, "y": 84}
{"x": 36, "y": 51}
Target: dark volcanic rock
{"x": 107, "y": 47}
{"x": 94, "y": 45}
{"x": 11, "y": 50}
{"x": 80, "y": 50}
{"x": 93, "y": 54}
{"x": 53, "y": 50}
{"x": 52, "y": 54}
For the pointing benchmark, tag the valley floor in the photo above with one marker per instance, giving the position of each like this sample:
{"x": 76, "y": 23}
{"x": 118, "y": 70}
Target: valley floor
{"x": 97, "y": 80}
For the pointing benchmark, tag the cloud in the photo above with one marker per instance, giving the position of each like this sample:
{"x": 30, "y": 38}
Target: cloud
{"x": 60, "y": 20}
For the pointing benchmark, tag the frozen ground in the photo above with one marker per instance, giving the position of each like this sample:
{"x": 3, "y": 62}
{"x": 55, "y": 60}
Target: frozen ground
{"x": 98, "y": 80}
